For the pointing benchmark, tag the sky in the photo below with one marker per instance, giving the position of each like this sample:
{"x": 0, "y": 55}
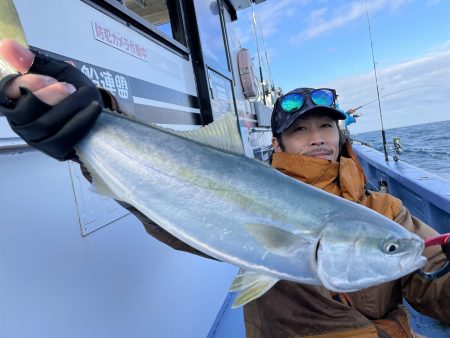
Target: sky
{"x": 326, "y": 43}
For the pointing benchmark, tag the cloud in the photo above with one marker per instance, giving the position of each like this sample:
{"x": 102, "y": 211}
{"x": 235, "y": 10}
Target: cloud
{"x": 326, "y": 19}
{"x": 271, "y": 14}
{"x": 413, "y": 92}
{"x": 269, "y": 17}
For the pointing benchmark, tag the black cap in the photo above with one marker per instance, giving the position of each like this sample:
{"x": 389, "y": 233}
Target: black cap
{"x": 282, "y": 120}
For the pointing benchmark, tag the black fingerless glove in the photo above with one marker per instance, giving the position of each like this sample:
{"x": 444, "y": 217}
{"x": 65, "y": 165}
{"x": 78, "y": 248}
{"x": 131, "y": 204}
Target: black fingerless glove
{"x": 55, "y": 130}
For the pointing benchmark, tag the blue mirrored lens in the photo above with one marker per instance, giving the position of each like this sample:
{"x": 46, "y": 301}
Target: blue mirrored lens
{"x": 322, "y": 97}
{"x": 292, "y": 102}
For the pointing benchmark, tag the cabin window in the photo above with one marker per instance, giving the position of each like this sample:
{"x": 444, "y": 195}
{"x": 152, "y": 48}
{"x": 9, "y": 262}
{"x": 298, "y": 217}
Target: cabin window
{"x": 161, "y": 19}
{"x": 210, "y": 16}
{"x": 155, "y": 12}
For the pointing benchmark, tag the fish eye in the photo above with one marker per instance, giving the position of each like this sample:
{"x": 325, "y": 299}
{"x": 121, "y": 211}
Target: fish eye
{"x": 391, "y": 247}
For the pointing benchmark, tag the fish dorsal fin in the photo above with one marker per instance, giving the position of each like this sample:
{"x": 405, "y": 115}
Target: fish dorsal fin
{"x": 223, "y": 134}
{"x": 276, "y": 240}
{"x": 250, "y": 286}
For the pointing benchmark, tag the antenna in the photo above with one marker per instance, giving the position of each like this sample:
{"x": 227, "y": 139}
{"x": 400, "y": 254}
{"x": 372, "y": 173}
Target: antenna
{"x": 376, "y": 82}
{"x": 259, "y": 57}
{"x": 267, "y": 59}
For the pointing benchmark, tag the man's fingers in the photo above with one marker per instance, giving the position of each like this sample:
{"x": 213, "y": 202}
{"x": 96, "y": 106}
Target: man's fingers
{"x": 32, "y": 82}
{"x": 19, "y": 57}
{"x": 46, "y": 88}
{"x": 55, "y": 93}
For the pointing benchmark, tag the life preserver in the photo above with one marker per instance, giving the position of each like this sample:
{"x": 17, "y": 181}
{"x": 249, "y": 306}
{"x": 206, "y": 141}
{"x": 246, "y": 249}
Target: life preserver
{"x": 246, "y": 74}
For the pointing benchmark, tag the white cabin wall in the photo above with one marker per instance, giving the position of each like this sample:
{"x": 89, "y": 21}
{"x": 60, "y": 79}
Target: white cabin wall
{"x": 65, "y": 27}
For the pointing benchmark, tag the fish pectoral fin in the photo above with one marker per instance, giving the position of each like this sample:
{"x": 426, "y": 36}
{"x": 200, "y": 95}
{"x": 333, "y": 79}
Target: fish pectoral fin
{"x": 98, "y": 184}
{"x": 250, "y": 286}
{"x": 223, "y": 134}
{"x": 276, "y": 240}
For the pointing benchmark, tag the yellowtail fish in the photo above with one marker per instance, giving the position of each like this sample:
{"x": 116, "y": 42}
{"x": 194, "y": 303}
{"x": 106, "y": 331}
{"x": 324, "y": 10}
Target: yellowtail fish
{"x": 199, "y": 186}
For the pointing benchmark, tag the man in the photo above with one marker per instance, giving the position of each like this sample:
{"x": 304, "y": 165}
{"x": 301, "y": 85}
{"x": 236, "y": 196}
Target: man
{"x": 309, "y": 146}
{"x": 53, "y": 112}
{"x": 351, "y": 116}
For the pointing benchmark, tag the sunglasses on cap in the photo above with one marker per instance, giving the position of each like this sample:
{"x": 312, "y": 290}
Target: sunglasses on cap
{"x": 299, "y": 101}
{"x": 293, "y": 102}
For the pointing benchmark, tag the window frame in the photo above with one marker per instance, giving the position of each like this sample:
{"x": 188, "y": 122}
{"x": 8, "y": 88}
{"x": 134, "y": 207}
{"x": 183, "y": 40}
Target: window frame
{"x": 226, "y": 72}
{"x": 118, "y": 11}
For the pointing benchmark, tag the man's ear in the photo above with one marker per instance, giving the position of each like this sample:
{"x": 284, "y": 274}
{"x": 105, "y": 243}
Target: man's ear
{"x": 276, "y": 145}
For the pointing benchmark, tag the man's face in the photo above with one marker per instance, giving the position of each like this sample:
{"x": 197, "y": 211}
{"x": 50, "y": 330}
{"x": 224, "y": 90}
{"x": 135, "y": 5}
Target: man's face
{"x": 314, "y": 135}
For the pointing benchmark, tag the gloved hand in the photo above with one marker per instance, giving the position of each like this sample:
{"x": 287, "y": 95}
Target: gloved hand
{"x": 55, "y": 130}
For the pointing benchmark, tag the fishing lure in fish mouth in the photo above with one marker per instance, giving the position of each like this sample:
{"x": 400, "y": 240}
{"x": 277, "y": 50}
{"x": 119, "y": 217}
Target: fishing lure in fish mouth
{"x": 444, "y": 242}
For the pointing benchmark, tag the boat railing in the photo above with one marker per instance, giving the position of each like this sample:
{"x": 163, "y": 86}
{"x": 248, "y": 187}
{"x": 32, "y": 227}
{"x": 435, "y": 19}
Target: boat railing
{"x": 13, "y": 145}
{"x": 426, "y": 195}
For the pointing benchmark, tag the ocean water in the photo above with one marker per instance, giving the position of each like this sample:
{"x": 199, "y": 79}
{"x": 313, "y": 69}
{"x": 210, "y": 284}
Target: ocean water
{"x": 426, "y": 146}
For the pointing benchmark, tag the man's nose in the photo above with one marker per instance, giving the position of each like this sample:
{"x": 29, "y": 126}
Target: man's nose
{"x": 315, "y": 137}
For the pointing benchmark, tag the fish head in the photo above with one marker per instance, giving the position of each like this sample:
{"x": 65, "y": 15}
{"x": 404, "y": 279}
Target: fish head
{"x": 357, "y": 255}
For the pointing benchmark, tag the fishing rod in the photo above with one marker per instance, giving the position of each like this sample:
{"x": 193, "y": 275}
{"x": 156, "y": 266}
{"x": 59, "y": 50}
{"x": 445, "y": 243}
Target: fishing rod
{"x": 396, "y": 92}
{"x": 383, "y": 134}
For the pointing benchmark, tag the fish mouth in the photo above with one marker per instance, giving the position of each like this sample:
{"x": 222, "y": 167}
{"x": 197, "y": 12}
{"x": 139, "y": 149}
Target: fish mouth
{"x": 414, "y": 263}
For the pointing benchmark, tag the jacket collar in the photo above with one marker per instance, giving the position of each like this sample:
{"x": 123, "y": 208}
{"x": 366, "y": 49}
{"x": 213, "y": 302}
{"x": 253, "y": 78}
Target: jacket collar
{"x": 344, "y": 178}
